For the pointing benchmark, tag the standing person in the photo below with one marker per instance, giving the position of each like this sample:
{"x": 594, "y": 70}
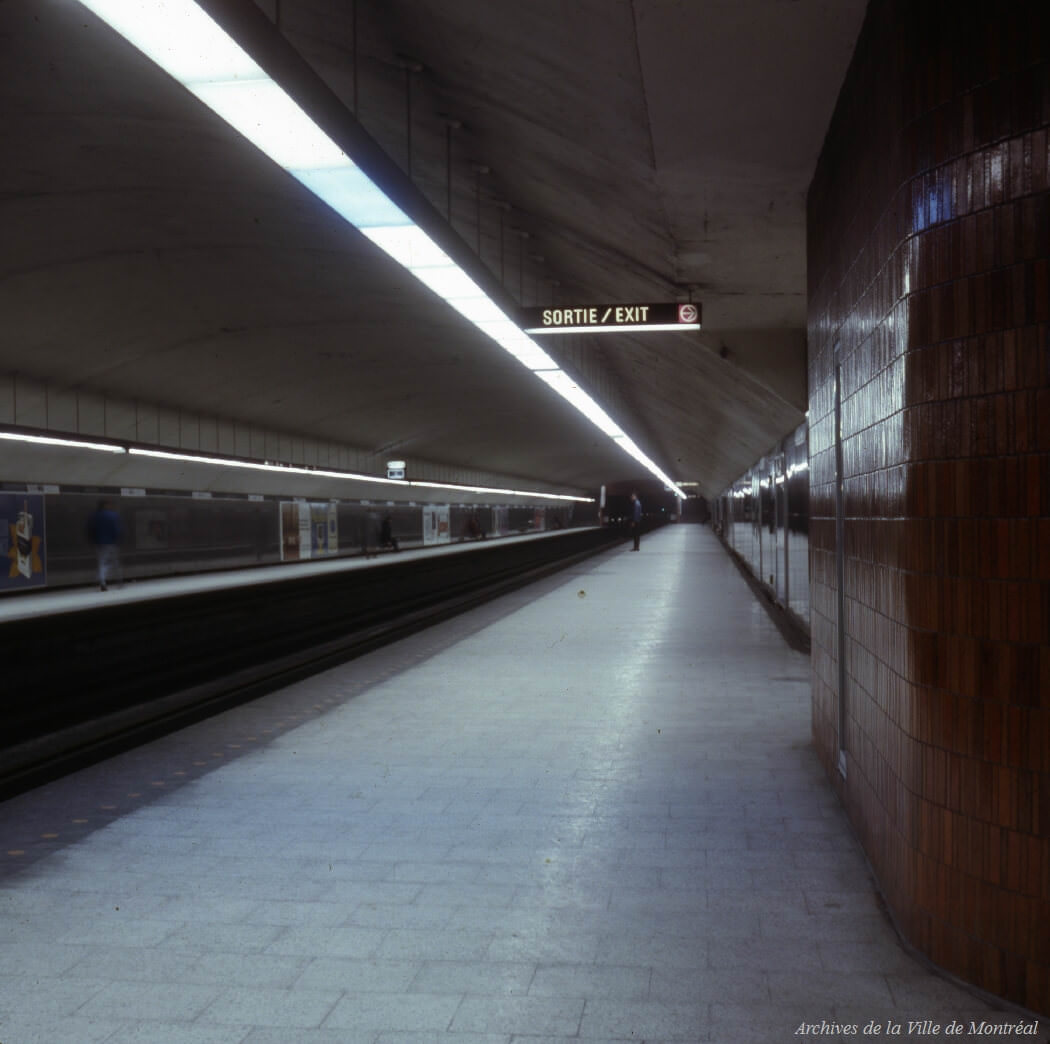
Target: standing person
{"x": 386, "y": 535}
{"x": 104, "y": 531}
{"x": 636, "y": 520}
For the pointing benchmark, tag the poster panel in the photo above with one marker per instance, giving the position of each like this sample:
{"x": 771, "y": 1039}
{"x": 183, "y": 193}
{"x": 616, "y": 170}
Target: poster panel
{"x": 22, "y": 541}
{"x": 151, "y": 530}
{"x": 308, "y": 530}
{"x": 324, "y": 530}
{"x": 290, "y": 532}
{"x": 437, "y": 524}
{"x": 500, "y": 521}
{"x": 305, "y": 529}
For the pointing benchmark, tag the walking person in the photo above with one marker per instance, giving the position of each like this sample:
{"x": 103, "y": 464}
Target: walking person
{"x": 636, "y": 520}
{"x": 104, "y": 531}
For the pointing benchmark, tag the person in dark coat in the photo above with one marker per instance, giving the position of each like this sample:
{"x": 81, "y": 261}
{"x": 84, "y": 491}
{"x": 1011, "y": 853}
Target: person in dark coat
{"x": 105, "y": 531}
{"x": 636, "y": 520}
{"x": 386, "y": 535}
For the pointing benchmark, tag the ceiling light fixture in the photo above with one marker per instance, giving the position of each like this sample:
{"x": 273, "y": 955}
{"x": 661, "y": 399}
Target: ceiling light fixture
{"x": 53, "y": 440}
{"x": 190, "y": 46}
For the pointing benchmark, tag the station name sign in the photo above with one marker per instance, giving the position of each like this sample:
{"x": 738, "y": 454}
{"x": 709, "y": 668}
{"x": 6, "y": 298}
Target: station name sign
{"x": 611, "y": 318}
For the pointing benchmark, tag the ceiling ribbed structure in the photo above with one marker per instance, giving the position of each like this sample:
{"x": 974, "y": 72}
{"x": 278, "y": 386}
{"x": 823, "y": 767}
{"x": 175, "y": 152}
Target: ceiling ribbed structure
{"x": 591, "y": 152}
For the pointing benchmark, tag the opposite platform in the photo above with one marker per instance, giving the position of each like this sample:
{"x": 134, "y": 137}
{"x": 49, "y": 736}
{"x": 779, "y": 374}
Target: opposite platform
{"x": 45, "y": 602}
{"x": 588, "y": 810}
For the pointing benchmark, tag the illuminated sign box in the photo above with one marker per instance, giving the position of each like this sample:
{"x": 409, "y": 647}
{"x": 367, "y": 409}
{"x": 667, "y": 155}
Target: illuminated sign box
{"x": 611, "y": 318}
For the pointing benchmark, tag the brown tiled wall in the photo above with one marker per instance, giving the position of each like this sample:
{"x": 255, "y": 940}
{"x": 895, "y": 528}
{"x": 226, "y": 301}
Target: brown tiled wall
{"x": 929, "y": 283}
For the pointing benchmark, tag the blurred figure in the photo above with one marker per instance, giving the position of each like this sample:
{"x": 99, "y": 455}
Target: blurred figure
{"x": 386, "y": 534}
{"x": 474, "y": 528}
{"x": 104, "y": 531}
{"x": 636, "y": 520}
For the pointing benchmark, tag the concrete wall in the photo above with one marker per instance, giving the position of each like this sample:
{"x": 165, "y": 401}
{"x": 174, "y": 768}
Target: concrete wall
{"x": 929, "y": 309}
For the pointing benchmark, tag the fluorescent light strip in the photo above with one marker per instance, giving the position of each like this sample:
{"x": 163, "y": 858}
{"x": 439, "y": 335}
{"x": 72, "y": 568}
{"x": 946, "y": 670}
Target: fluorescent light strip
{"x": 49, "y": 440}
{"x": 569, "y": 390}
{"x": 191, "y": 47}
{"x": 251, "y": 465}
{"x": 655, "y": 327}
{"x": 292, "y": 469}
{"x": 508, "y": 492}
{"x": 630, "y": 448}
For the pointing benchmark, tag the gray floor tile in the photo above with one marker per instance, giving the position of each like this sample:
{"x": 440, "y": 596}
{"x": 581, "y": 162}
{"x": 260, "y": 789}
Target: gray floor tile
{"x": 316, "y": 914}
{"x": 338, "y": 941}
{"x": 543, "y": 946}
{"x": 148, "y": 1001}
{"x": 393, "y": 1011}
{"x": 611, "y": 1019}
{"x": 591, "y": 980}
{"x": 467, "y": 894}
{"x": 819, "y": 990}
{"x": 115, "y": 930}
{"x": 654, "y": 950}
{"x": 198, "y": 909}
{"x": 436, "y": 872}
{"x": 312, "y": 1035}
{"x": 47, "y": 998}
{"x": 40, "y": 1028}
{"x": 177, "y": 1033}
{"x": 227, "y": 938}
{"x": 38, "y": 959}
{"x": 542, "y": 1016}
{"x": 477, "y": 977}
{"x": 433, "y": 944}
{"x": 135, "y": 964}
{"x": 240, "y": 969}
{"x": 885, "y": 956}
{"x": 443, "y": 1038}
{"x": 766, "y": 954}
{"x": 277, "y": 1008}
{"x": 707, "y": 985}
{"x": 353, "y": 893}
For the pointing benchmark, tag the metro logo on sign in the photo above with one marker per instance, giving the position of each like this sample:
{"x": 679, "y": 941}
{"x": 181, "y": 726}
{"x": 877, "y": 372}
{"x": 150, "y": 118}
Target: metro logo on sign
{"x": 611, "y": 318}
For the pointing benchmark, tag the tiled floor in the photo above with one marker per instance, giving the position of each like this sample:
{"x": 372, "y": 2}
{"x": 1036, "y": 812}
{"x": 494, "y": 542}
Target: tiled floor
{"x": 587, "y": 810}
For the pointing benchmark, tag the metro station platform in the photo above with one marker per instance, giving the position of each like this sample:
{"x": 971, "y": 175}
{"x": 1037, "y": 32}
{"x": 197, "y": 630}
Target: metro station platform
{"x": 587, "y": 810}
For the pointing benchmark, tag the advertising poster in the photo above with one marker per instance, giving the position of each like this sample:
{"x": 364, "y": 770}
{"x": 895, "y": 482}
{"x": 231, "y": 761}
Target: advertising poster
{"x": 290, "y": 544}
{"x": 436, "y": 524}
{"x": 308, "y": 530}
{"x": 305, "y": 521}
{"x": 22, "y": 541}
{"x": 500, "y": 521}
{"x": 324, "y": 530}
{"x": 151, "y": 530}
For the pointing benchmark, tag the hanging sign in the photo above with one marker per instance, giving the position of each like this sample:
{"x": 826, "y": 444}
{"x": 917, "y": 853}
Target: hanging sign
{"x": 611, "y": 318}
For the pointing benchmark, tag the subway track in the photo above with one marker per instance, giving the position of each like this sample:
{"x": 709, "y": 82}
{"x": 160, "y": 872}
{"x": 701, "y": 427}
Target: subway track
{"x": 86, "y": 684}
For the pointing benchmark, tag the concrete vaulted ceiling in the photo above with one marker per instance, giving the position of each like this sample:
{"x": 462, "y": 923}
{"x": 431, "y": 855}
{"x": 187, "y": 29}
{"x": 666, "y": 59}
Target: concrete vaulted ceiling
{"x": 649, "y": 149}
